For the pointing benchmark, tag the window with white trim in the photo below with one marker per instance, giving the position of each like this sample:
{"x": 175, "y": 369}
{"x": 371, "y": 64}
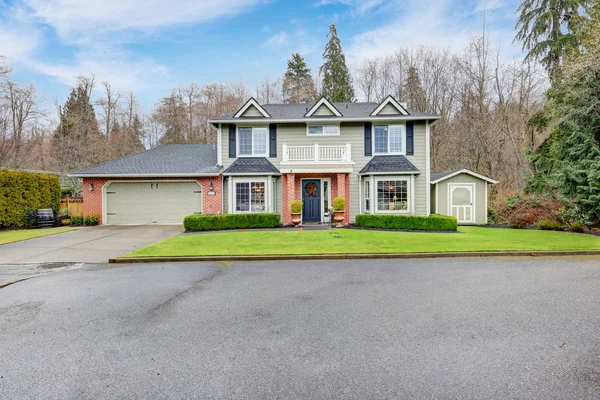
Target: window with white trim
{"x": 367, "y": 196}
{"x": 250, "y": 197}
{"x": 252, "y": 141}
{"x": 323, "y": 130}
{"x": 389, "y": 139}
{"x": 392, "y": 195}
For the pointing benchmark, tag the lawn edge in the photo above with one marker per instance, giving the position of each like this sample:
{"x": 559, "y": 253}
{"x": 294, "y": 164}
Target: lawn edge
{"x": 37, "y": 237}
{"x": 358, "y": 256}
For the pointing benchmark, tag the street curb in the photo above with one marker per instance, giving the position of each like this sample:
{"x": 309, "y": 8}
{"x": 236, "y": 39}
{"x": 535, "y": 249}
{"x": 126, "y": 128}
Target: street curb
{"x": 356, "y": 256}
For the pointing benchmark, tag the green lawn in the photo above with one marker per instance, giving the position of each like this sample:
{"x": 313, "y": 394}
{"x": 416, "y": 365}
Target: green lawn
{"x": 24, "y": 234}
{"x": 360, "y": 241}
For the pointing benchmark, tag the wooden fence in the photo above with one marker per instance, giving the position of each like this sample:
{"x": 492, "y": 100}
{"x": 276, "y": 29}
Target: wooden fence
{"x": 75, "y": 205}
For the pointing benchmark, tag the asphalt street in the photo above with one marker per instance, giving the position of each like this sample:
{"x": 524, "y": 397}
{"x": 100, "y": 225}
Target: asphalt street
{"x": 487, "y": 328}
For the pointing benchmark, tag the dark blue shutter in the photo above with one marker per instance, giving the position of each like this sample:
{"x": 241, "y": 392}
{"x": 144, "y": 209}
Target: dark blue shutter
{"x": 272, "y": 140}
{"x": 368, "y": 145}
{"x": 232, "y": 141}
{"x": 410, "y": 138}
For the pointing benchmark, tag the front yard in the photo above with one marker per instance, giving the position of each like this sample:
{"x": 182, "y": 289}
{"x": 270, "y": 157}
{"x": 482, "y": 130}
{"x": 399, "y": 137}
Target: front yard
{"x": 350, "y": 241}
{"x": 25, "y": 234}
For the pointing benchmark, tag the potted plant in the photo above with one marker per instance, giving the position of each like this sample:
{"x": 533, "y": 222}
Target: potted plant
{"x": 339, "y": 206}
{"x": 64, "y": 216}
{"x": 296, "y": 211}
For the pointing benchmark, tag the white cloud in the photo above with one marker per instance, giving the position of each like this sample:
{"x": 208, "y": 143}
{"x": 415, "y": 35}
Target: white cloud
{"x": 277, "y": 40}
{"x": 86, "y": 20}
{"x": 358, "y": 6}
{"x": 17, "y": 45}
{"x": 430, "y": 24}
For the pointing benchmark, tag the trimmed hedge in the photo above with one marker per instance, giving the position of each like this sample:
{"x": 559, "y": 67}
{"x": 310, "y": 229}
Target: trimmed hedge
{"x": 433, "y": 222}
{"x": 231, "y": 221}
{"x": 22, "y": 191}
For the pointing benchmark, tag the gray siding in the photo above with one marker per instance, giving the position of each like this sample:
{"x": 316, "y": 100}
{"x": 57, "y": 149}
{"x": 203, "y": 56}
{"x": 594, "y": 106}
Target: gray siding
{"x": 350, "y": 132}
{"x": 480, "y": 202}
{"x": 389, "y": 109}
{"x": 252, "y": 112}
{"x": 323, "y": 110}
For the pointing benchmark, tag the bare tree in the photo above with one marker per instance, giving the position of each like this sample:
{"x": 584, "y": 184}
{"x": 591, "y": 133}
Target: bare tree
{"x": 269, "y": 91}
{"x": 110, "y": 108}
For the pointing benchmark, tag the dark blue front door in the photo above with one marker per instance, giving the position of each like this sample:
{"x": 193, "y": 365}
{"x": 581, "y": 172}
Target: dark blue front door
{"x": 311, "y": 197}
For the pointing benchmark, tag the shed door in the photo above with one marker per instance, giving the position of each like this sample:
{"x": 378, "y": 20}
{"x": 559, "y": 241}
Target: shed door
{"x": 461, "y": 203}
{"x": 160, "y": 202}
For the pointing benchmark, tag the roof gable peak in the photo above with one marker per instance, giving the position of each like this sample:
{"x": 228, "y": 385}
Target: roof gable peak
{"x": 251, "y": 103}
{"x": 326, "y": 103}
{"x": 392, "y": 101}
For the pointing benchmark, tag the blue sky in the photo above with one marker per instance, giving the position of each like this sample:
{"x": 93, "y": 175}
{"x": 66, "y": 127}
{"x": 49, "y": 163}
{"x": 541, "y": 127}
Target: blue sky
{"x": 153, "y": 48}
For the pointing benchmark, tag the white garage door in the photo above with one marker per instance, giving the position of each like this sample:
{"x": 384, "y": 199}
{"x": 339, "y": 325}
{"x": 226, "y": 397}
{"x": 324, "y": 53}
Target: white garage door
{"x": 159, "y": 202}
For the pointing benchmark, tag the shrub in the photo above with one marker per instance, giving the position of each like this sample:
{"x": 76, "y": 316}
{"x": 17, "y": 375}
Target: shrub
{"x": 90, "y": 220}
{"x": 296, "y": 206}
{"x": 522, "y": 211}
{"x": 578, "y": 227}
{"x": 550, "y": 225}
{"x": 493, "y": 217}
{"x": 230, "y": 221}
{"x": 433, "y": 222}
{"x": 77, "y": 220}
{"x": 339, "y": 204}
{"x": 23, "y": 191}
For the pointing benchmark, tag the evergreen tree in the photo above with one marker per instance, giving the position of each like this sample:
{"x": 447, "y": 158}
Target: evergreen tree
{"x": 77, "y": 141}
{"x": 548, "y": 29}
{"x": 337, "y": 83}
{"x": 568, "y": 162}
{"x": 413, "y": 90}
{"x": 126, "y": 140}
{"x": 298, "y": 84}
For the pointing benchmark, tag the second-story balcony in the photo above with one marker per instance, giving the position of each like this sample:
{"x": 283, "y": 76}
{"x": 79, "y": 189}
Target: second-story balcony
{"x": 317, "y": 154}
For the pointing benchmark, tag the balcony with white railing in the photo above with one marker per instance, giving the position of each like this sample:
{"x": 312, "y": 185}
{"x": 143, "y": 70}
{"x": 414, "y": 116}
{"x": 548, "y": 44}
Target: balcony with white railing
{"x": 317, "y": 154}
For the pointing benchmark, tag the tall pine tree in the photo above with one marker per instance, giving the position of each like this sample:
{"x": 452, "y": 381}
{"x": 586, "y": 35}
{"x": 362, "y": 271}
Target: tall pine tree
{"x": 336, "y": 85}
{"x": 298, "y": 84}
{"x": 568, "y": 162}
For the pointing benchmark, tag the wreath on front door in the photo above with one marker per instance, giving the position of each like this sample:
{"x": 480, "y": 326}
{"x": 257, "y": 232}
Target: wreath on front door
{"x": 311, "y": 188}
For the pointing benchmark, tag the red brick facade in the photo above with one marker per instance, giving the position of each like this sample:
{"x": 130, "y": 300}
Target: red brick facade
{"x": 92, "y": 199}
{"x": 340, "y": 187}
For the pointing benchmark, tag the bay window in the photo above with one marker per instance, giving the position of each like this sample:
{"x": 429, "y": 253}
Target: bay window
{"x": 323, "y": 130}
{"x": 252, "y": 141}
{"x": 392, "y": 195}
{"x": 389, "y": 139}
{"x": 250, "y": 197}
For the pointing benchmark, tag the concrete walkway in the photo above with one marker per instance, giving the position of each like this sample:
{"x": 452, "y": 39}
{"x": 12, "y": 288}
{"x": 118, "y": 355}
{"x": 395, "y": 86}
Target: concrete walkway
{"x": 86, "y": 245}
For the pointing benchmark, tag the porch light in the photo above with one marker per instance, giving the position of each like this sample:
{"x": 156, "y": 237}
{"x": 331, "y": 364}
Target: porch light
{"x": 91, "y": 187}
{"x": 210, "y": 187}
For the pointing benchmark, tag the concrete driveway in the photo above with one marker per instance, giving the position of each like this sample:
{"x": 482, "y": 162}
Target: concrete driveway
{"x": 87, "y": 244}
{"x": 491, "y": 328}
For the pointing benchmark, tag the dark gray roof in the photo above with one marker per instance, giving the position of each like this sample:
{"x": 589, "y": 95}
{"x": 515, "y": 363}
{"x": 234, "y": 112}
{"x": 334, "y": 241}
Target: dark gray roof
{"x": 440, "y": 175}
{"x": 297, "y": 111}
{"x": 379, "y": 164}
{"x": 251, "y": 165}
{"x": 171, "y": 159}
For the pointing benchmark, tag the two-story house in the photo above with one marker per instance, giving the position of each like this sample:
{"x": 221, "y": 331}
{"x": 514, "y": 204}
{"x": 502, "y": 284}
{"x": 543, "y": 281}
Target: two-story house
{"x": 375, "y": 156}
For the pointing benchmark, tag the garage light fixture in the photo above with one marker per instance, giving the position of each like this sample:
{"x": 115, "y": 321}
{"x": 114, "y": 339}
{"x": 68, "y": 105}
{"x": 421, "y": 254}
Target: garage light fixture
{"x": 91, "y": 187}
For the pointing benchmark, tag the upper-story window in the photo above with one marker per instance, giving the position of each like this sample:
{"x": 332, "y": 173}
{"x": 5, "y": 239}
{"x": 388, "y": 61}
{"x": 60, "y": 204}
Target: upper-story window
{"x": 252, "y": 141}
{"x": 390, "y": 139}
{"x": 323, "y": 130}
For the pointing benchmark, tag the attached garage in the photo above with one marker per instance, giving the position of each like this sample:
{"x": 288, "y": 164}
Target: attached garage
{"x": 462, "y": 194}
{"x": 151, "y": 202}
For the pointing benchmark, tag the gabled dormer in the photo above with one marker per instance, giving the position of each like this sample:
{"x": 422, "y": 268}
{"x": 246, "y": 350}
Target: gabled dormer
{"x": 251, "y": 109}
{"x": 390, "y": 106}
{"x": 323, "y": 108}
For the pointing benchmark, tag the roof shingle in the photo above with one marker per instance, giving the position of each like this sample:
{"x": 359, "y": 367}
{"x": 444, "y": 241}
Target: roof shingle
{"x": 391, "y": 164}
{"x": 251, "y": 165}
{"x": 172, "y": 159}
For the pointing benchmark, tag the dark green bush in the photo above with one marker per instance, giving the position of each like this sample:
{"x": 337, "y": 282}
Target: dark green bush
{"x": 578, "y": 227}
{"x": 77, "y": 220}
{"x": 433, "y": 222}
{"x": 550, "y": 225}
{"x": 230, "y": 221}
{"x": 22, "y": 191}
